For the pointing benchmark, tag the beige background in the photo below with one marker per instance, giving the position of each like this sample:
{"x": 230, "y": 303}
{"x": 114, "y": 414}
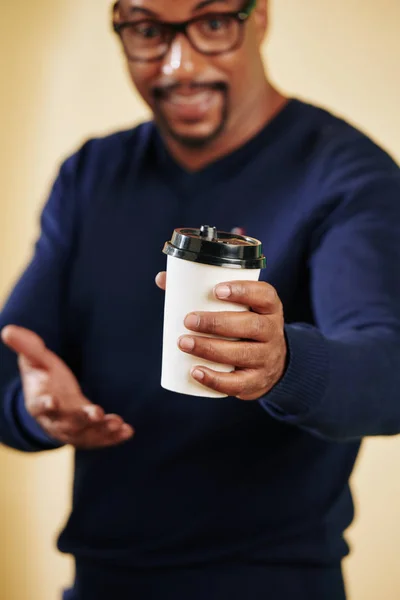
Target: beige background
{"x": 62, "y": 79}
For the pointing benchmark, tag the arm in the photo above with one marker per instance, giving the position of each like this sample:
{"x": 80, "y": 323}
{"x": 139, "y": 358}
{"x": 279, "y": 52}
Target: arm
{"x": 343, "y": 375}
{"x": 340, "y": 377}
{"x": 36, "y": 303}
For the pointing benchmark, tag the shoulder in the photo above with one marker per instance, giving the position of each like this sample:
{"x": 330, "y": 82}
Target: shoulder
{"x": 345, "y": 155}
{"x": 353, "y": 177}
{"x": 96, "y": 169}
{"x": 345, "y": 175}
{"x": 102, "y": 158}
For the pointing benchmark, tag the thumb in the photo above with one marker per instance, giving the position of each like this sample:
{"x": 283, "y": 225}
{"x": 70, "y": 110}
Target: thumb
{"x": 28, "y": 344}
{"x": 161, "y": 280}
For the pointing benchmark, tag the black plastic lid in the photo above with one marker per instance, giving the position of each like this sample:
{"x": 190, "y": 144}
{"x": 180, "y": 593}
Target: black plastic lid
{"x": 219, "y": 248}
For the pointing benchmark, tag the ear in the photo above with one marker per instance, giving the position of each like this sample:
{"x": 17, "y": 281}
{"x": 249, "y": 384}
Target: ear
{"x": 115, "y": 11}
{"x": 260, "y": 17}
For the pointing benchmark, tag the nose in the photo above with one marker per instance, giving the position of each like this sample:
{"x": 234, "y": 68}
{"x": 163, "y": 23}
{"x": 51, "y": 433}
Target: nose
{"x": 182, "y": 60}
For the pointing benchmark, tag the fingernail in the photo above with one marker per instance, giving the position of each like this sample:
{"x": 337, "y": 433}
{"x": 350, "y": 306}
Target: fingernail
{"x": 192, "y": 321}
{"x": 223, "y": 291}
{"x": 186, "y": 344}
{"x": 197, "y": 374}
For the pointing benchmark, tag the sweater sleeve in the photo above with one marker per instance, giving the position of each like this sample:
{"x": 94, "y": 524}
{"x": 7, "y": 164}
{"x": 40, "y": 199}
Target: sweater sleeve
{"x": 343, "y": 376}
{"x": 37, "y": 303}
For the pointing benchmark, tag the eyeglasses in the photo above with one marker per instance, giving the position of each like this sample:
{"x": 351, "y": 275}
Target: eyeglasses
{"x": 149, "y": 40}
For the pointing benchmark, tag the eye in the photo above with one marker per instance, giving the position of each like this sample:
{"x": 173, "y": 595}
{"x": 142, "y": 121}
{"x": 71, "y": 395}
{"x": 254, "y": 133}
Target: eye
{"x": 215, "y": 24}
{"x": 147, "y": 29}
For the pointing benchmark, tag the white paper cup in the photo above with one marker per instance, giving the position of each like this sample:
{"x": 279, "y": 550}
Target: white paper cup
{"x": 190, "y": 287}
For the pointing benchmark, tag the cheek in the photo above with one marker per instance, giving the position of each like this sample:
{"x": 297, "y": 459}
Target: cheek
{"x": 144, "y": 76}
{"x": 247, "y": 62}
{"x": 235, "y": 67}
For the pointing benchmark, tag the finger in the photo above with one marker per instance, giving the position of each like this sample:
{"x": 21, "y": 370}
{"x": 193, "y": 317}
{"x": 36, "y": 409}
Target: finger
{"x": 45, "y": 394}
{"x": 161, "y": 280}
{"x": 75, "y": 424}
{"x": 111, "y": 431}
{"x": 75, "y": 417}
{"x": 241, "y": 384}
{"x": 239, "y": 354}
{"x": 258, "y": 295}
{"x": 243, "y": 325}
{"x": 93, "y": 412}
{"x": 62, "y": 431}
{"x": 98, "y": 436}
{"x": 65, "y": 430}
{"x": 113, "y": 423}
{"x": 26, "y": 342}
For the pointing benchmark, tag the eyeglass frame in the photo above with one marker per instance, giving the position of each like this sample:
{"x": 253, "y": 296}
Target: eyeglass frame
{"x": 177, "y": 27}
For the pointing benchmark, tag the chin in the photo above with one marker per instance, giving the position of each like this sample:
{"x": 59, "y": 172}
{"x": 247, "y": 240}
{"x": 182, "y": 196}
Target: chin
{"x": 194, "y": 137}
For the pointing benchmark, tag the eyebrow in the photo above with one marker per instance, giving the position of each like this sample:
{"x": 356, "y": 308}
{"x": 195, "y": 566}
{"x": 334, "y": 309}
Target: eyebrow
{"x": 205, "y": 3}
{"x": 140, "y": 9}
{"x": 151, "y": 13}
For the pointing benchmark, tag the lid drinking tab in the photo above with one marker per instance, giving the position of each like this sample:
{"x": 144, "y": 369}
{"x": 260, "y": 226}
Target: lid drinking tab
{"x": 209, "y": 246}
{"x": 209, "y": 233}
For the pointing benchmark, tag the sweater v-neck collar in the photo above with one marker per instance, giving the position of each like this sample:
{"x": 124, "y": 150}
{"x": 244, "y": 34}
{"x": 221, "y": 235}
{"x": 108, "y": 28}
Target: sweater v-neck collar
{"x": 194, "y": 183}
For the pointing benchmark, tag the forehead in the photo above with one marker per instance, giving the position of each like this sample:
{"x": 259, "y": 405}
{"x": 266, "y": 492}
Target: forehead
{"x": 176, "y": 10}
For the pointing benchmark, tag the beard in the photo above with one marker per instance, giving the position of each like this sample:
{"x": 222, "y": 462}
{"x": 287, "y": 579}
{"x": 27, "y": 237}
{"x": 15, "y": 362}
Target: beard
{"x": 191, "y": 142}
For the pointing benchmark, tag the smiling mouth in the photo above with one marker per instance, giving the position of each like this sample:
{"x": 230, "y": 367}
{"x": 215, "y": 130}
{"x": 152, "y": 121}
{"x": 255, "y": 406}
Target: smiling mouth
{"x": 177, "y": 98}
{"x": 191, "y": 106}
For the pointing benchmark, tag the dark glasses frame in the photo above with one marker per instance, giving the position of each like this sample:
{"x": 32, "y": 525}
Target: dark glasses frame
{"x": 172, "y": 29}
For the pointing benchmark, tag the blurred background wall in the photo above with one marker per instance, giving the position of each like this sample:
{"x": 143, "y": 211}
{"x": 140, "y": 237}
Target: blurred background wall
{"x": 62, "y": 79}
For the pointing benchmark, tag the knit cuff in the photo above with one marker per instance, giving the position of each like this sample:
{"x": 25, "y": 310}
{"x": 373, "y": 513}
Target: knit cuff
{"x": 22, "y": 431}
{"x": 302, "y": 388}
{"x": 31, "y": 427}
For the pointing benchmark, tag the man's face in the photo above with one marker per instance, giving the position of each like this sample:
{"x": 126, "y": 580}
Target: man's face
{"x": 195, "y": 97}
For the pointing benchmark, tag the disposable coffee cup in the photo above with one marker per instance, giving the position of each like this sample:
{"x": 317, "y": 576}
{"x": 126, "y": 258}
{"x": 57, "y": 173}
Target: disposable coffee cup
{"x": 198, "y": 260}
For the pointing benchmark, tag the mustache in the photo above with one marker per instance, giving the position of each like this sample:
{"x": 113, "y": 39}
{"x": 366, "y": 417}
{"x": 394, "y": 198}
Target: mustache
{"x": 160, "y": 92}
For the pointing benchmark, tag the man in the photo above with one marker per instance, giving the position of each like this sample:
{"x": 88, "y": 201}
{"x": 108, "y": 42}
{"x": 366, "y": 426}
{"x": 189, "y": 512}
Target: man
{"x": 245, "y": 497}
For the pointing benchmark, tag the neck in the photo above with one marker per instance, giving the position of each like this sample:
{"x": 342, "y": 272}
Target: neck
{"x": 265, "y": 107}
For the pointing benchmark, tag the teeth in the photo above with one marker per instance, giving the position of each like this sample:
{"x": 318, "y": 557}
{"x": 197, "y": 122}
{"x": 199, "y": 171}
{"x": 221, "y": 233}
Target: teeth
{"x": 192, "y": 99}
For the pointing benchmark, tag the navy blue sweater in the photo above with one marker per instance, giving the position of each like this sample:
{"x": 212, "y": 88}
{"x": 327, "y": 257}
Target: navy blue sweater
{"x": 205, "y": 481}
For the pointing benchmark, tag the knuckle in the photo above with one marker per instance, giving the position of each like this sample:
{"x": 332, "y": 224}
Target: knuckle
{"x": 271, "y": 294}
{"x": 269, "y": 328}
{"x": 216, "y": 382}
{"x": 267, "y": 293}
{"x": 246, "y": 354}
{"x": 240, "y": 387}
{"x": 239, "y": 289}
{"x": 256, "y": 327}
{"x": 266, "y": 380}
{"x": 213, "y": 323}
{"x": 261, "y": 357}
{"x": 210, "y": 350}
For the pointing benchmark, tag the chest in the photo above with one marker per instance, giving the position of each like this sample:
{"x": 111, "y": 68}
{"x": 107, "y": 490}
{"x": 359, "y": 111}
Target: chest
{"x": 114, "y": 304}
